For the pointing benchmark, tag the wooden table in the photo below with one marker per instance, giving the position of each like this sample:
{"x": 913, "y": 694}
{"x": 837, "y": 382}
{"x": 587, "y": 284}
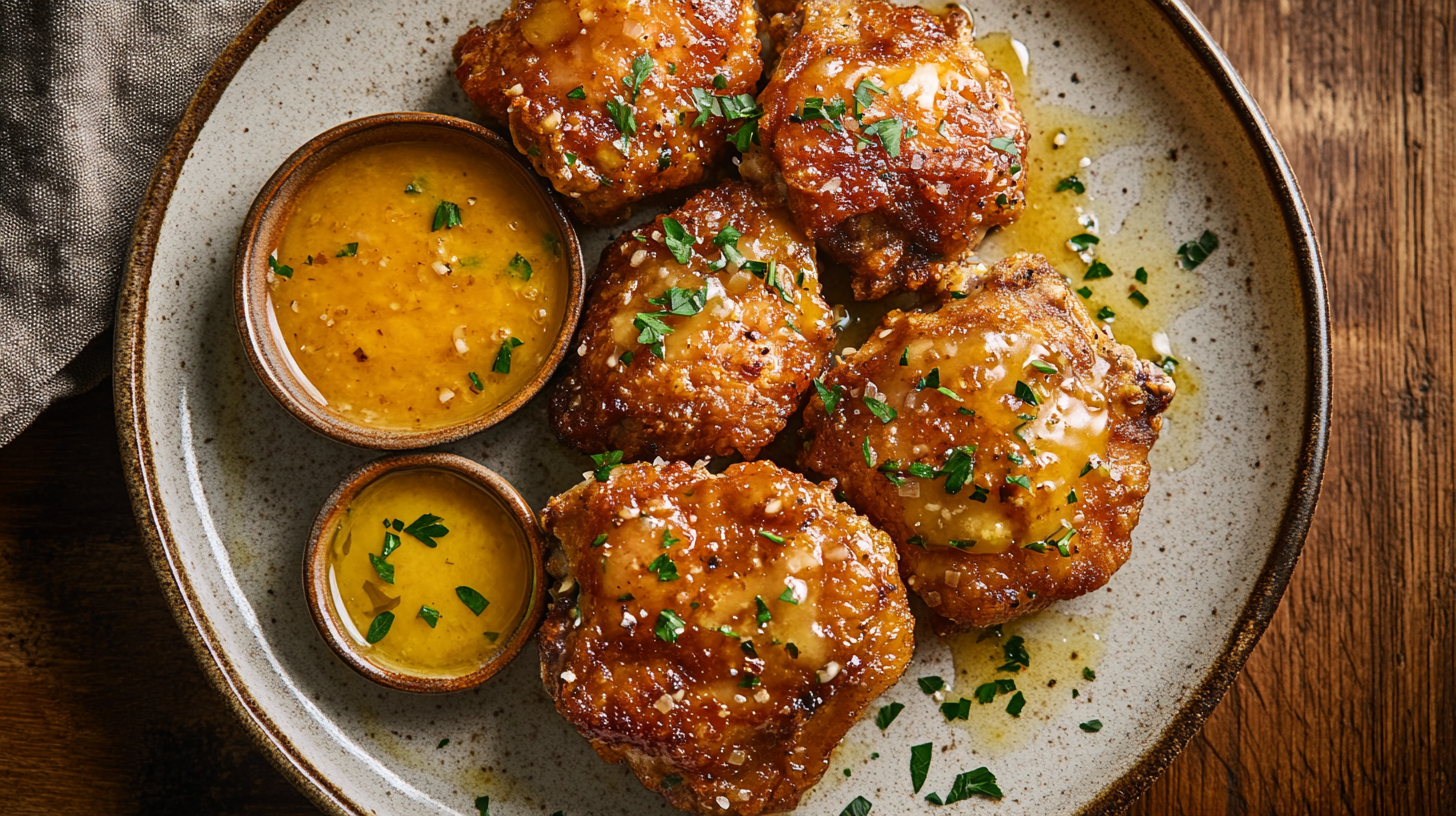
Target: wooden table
{"x": 1348, "y": 705}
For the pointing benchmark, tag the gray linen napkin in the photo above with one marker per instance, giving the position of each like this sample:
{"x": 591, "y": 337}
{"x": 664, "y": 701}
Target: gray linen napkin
{"x": 90, "y": 92}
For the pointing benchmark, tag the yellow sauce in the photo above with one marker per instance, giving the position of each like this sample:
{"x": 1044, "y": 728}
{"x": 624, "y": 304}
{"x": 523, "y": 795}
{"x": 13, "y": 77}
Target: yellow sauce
{"x": 1142, "y": 238}
{"x": 386, "y": 316}
{"x": 1059, "y": 647}
{"x": 484, "y": 550}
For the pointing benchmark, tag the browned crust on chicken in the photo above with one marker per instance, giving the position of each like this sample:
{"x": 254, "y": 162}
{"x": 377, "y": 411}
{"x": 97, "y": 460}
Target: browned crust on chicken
{"x": 889, "y": 218}
{"x": 521, "y": 68}
{"x": 737, "y": 723}
{"x": 732, "y": 374}
{"x": 1101, "y": 408}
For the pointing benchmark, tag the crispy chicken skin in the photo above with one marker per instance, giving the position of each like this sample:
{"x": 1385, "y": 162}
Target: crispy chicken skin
{"x": 521, "y": 68}
{"x": 735, "y": 707}
{"x": 732, "y": 373}
{"x": 889, "y": 217}
{"x": 1037, "y": 403}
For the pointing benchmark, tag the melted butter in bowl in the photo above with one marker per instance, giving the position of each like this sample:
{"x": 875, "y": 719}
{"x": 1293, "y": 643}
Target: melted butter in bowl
{"x": 403, "y": 281}
{"x": 423, "y": 573}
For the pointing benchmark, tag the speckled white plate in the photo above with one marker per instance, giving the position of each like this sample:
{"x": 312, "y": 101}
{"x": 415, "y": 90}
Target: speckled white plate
{"x": 226, "y": 484}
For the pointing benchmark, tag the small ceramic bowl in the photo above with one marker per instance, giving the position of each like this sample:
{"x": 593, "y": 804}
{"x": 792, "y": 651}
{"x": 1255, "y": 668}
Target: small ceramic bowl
{"x": 263, "y": 230}
{"x": 318, "y": 589}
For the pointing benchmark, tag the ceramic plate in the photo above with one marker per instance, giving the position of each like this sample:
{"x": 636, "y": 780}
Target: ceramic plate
{"x": 226, "y": 483}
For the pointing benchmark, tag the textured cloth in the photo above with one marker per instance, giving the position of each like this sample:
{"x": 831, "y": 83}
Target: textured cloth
{"x": 90, "y": 92}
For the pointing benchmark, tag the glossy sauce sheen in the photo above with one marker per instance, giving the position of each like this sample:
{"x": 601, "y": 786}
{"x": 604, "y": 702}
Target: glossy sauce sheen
{"x": 688, "y": 707}
{"x": 388, "y": 336}
{"x": 484, "y": 550}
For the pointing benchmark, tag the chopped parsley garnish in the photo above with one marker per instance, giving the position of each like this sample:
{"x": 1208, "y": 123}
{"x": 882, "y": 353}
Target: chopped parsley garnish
{"x": 651, "y": 332}
{"x": 383, "y": 568}
{"x": 986, "y": 692}
{"x": 681, "y": 302}
{"x": 920, "y": 763}
{"x": 828, "y": 396}
{"x": 431, "y": 616}
{"x": 447, "y": 215}
{"x": 1088, "y": 674}
{"x": 957, "y": 468}
{"x": 1007, "y": 145}
{"x": 749, "y": 681}
{"x": 980, "y": 781}
{"x": 1043, "y": 366}
{"x": 933, "y": 798}
{"x": 606, "y": 463}
{"x": 520, "y": 267}
{"x": 1084, "y": 292}
{"x": 931, "y": 380}
{"x": 668, "y": 539}
{"x": 869, "y": 455}
{"x": 859, "y": 807}
{"x": 1193, "y": 253}
{"x": 1106, "y": 314}
{"x": 1080, "y": 243}
{"x": 792, "y": 650}
{"x": 921, "y": 470}
{"x": 763, "y": 616}
{"x": 1138, "y": 297}
{"x": 627, "y": 358}
{"x": 482, "y": 804}
{"x": 427, "y": 528}
{"x": 391, "y": 543}
{"x": 1025, "y": 394}
{"x": 725, "y": 629}
{"x": 669, "y": 626}
{"x": 442, "y": 743}
{"x": 889, "y": 132}
{"x": 1071, "y": 183}
{"x": 1021, "y": 481}
{"x": 622, "y": 116}
{"x": 905, "y": 356}
{"x": 599, "y": 540}
{"x": 777, "y": 539}
{"x": 748, "y": 648}
{"x": 570, "y": 159}
{"x": 828, "y": 114}
{"x": 883, "y": 412}
{"x": 279, "y": 269}
{"x": 349, "y": 250}
{"x": 888, "y": 714}
{"x": 949, "y": 393}
{"x": 678, "y": 240}
{"x": 473, "y": 600}
{"x": 502, "y": 364}
{"x": 576, "y": 93}
{"x": 379, "y": 627}
{"x": 789, "y": 596}
{"x": 727, "y": 236}
{"x": 1015, "y": 651}
{"x": 1091, "y": 726}
{"x": 1097, "y": 271}
{"x": 475, "y": 382}
{"x": 931, "y": 684}
{"x": 1169, "y": 366}
{"x": 641, "y": 68}
{"x": 979, "y": 494}
{"x": 533, "y": 151}
{"x": 864, "y": 96}
{"x": 1141, "y": 275}
{"x": 664, "y": 159}
{"x": 1072, "y": 496}
{"x": 958, "y": 710}
{"x": 1018, "y": 702}
{"x": 665, "y": 568}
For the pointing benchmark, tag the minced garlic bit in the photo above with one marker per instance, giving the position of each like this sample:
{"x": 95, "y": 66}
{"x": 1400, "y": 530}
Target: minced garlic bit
{"x": 446, "y": 395}
{"x": 829, "y": 672}
{"x": 723, "y": 802}
{"x": 952, "y": 578}
{"x": 569, "y": 676}
{"x": 1060, "y": 139}
{"x": 1085, "y": 162}
{"x": 638, "y": 257}
{"x": 738, "y": 757}
{"x": 664, "y": 703}
{"x": 761, "y": 695}
{"x": 773, "y": 507}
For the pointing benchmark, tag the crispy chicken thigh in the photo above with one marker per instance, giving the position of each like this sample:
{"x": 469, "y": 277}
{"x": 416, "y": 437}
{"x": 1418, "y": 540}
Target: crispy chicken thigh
{"x": 600, "y": 93}
{"x": 719, "y": 633}
{"x": 1002, "y": 441}
{"x": 682, "y": 360}
{"x": 894, "y": 141}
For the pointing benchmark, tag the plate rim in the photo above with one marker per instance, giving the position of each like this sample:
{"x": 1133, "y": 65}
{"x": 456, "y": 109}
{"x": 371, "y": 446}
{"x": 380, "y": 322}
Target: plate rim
{"x": 139, "y": 467}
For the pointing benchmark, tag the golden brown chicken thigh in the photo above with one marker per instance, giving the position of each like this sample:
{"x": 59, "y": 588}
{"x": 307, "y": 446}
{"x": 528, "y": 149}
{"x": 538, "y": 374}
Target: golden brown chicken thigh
{"x": 719, "y": 633}
{"x": 894, "y": 141}
{"x": 684, "y": 360}
{"x": 605, "y": 96}
{"x": 1002, "y": 441}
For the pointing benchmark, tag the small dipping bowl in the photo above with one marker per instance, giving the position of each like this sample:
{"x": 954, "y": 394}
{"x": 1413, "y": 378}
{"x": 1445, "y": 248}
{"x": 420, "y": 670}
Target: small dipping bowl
{"x": 416, "y": 299}
{"x": 456, "y": 612}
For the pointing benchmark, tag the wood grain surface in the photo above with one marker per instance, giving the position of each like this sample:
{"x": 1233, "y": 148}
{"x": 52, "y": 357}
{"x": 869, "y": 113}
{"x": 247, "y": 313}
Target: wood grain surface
{"x": 1348, "y": 704}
